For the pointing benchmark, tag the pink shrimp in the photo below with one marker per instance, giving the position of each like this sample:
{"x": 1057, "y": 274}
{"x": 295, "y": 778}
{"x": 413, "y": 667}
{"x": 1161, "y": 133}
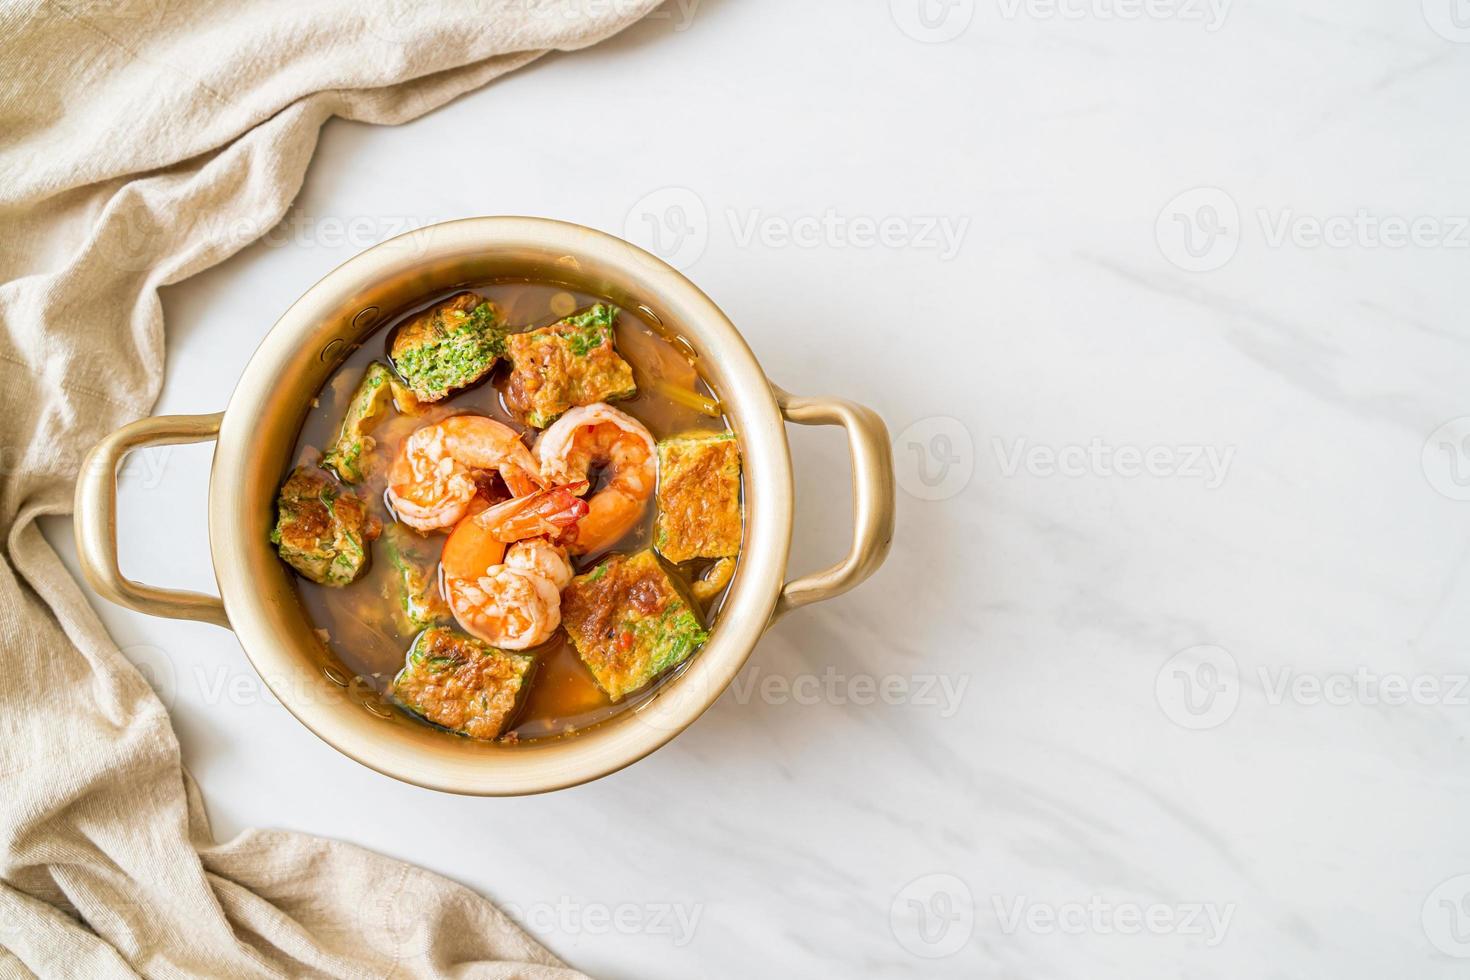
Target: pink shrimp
{"x": 600, "y": 435}
{"x": 432, "y": 481}
{"x": 511, "y": 598}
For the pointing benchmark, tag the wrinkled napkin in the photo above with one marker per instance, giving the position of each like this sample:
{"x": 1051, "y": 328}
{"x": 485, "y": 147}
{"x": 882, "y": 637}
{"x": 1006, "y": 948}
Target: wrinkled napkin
{"x": 142, "y": 141}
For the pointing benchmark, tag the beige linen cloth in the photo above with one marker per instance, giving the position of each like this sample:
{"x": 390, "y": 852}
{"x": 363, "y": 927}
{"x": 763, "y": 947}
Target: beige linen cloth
{"x": 142, "y": 141}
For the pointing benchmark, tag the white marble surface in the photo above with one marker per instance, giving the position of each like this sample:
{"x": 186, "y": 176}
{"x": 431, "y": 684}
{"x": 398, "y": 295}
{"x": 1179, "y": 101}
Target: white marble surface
{"x": 1105, "y": 687}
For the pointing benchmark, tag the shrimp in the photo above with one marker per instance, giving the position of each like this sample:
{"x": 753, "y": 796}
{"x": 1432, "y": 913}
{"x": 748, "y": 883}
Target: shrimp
{"x": 511, "y": 597}
{"x": 432, "y": 481}
{"x": 540, "y": 556}
{"x": 600, "y": 435}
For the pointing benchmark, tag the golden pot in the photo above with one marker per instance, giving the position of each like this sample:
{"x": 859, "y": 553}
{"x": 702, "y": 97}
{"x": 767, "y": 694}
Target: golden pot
{"x": 255, "y": 435}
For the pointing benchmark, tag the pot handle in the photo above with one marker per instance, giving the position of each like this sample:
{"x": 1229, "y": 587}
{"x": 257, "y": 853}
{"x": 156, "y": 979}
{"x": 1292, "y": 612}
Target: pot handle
{"x": 872, "y": 497}
{"x": 95, "y": 519}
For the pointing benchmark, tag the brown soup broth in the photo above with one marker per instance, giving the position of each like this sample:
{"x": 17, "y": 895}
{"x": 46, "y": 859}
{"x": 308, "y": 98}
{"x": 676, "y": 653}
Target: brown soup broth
{"x": 359, "y": 621}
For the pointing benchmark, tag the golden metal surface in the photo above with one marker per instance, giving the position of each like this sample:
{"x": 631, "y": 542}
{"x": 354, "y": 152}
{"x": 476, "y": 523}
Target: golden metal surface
{"x": 872, "y": 498}
{"x": 258, "y": 433}
{"x": 96, "y": 518}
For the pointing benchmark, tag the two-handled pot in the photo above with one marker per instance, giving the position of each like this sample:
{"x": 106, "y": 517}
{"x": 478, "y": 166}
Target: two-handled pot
{"x": 255, "y": 435}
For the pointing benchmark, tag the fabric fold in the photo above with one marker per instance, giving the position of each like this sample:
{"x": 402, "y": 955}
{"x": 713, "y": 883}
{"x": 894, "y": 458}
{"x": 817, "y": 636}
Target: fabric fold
{"x": 142, "y": 141}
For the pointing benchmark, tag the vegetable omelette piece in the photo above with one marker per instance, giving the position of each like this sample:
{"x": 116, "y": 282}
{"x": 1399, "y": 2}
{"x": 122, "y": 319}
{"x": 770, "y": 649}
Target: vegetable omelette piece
{"x": 570, "y": 363}
{"x": 461, "y": 683}
{"x": 321, "y": 530}
{"x": 698, "y": 497}
{"x": 416, "y": 587}
{"x": 449, "y": 346}
{"x": 369, "y": 403}
{"x": 629, "y": 623}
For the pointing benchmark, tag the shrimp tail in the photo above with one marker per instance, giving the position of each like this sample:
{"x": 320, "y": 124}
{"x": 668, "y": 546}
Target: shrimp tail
{"x": 552, "y": 513}
{"x": 524, "y": 481}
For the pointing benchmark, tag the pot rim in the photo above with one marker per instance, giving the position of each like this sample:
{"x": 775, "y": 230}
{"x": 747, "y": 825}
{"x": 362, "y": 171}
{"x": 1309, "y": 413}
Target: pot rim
{"x": 318, "y": 327}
